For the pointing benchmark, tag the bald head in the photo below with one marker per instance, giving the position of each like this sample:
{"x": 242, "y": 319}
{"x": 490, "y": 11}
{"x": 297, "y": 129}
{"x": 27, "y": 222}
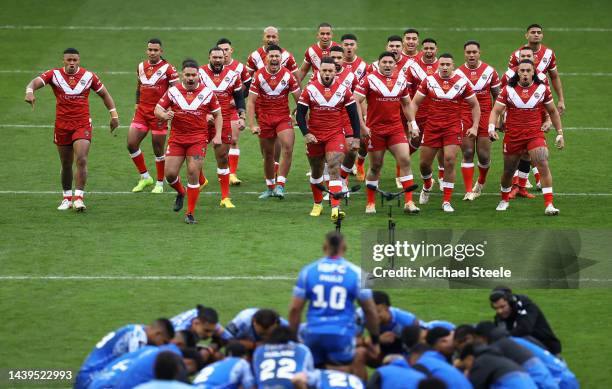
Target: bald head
{"x": 270, "y": 36}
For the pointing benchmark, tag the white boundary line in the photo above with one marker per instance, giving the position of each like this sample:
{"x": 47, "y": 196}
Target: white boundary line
{"x": 295, "y": 28}
{"x": 145, "y": 278}
{"x": 20, "y": 125}
{"x": 250, "y": 193}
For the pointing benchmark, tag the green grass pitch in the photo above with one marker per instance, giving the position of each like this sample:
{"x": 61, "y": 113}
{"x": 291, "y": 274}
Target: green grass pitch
{"x": 54, "y": 323}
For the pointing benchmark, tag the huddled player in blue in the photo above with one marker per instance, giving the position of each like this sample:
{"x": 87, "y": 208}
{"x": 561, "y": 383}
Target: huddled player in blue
{"x": 126, "y": 339}
{"x": 279, "y": 359}
{"x": 396, "y": 373}
{"x": 232, "y": 372}
{"x": 332, "y": 284}
{"x": 326, "y": 379}
{"x": 392, "y": 322}
{"x": 169, "y": 371}
{"x": 108, "y": 377}
{"x": 252, "y": 326}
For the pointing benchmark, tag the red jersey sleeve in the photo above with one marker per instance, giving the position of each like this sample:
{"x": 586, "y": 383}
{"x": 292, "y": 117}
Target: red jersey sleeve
{"x": 355, "y": 83}
{"x": 307, "y": 58}
{"x": 165, "y": 101}
{"x": 213, "y": 104}
{"x": 96, "y": 84}
{"x": 503, "y": 97}
{"x": 245, "y": 76}
{"x": 423, "y": 87}
{"x": 47, "y": 76}
{"x": 406, "y": 91}
{"x": 548, "y": 97}
{"x": 348, "y": 97}
{"x": 513, "y": 61}
{"x": 553, "y": 62}
{"x": 363, "y": 87}
{"x": 250, "y": 63}
{"x": 254, "y": 88}
{"x": 293, "y": 84}
{"x": 495, "y": 81}
{"x": 237, "y": 85}
{"x": 304, "y": 98}
{"x": 468, "y": 91}
{"x": 172, "y": 74}
{"x": 291, "y": 64}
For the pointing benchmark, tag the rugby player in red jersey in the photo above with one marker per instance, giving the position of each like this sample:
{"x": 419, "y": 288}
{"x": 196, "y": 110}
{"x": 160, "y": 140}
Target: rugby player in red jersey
{"x": 410, "y": 44}
{"x": 269, "y": 102}
{"x": 445, "y": 91}
{"x": 522, "y": 99}
{"x": 485, "y": 82}
{"x": 155, "y": 76}
{"x": 386, "y": 93}
{"x": 324, "y": 99}
{"x": 72, "y": 132}
{"x": 187, "y": 105}
{"x": 314, "y": 54}
{"x": 227, "y": 86}
{"x": 238, "y": 119}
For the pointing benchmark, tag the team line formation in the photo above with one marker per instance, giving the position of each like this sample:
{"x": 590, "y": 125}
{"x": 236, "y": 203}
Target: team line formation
{"x": 408, "y": 99}
{"x": 260, "y": 349}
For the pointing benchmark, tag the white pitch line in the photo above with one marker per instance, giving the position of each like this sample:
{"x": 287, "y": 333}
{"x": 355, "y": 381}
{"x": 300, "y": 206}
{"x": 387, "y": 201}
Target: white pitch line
{"x": 294, "y": 28}
{"x": 144, "y": 278}
{"x": 126, "y": 193}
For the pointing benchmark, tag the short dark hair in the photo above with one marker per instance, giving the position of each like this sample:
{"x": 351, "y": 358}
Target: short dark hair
{"x": 324, "y": 24}
{"x": 166, "y": 326}
{"x": 190, "y": 63}
{"x": 223, "y": 41}
{"x": 434, "y": 334}
{"x": 189, "y": 337}
{"x": 71, "y": 50}
{"x": 235, "y": 349}
{"x": 334, "y": 239}
{"x": 337, "y": 48}
{"x": 419, "y": 349}
{"x": 501, "y": 291}
{"x": 273, "y": 47}
{"x": 411, "y": 336}
{"x": 484, "y": 329}
{"x": 207, "y": 315}
{"x": 348, "y": 36}
{"x": 429, "y": 40}
{"x": 155, "y": 41}
{"x": 534, "y": 25}
{"x": 394, "y": 38}
{"x": 193, "y": 354}
{"x": 386, "y": 54}
{"x": 168, "y": 366}
{"x": 266, "y": 318}
{"x": 527, "y": 48}
{"x": 281, "y": 335}
{"x": 467, "y": 351}
{"x": 471, "y": 42}
{"x": 432, "y": 383}
{"x": 214, "y": 48}
{"x": 381, "y": 297}
{"x": 446, "y": 55}
{"x": 411, "y": 31}
{"x": 506, "y": 294}
{"x": 463, "y": 331}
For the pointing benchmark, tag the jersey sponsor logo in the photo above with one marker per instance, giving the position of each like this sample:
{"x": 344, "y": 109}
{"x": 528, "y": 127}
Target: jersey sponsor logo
{"x": 72, "y": 87}
{"x": 147, "y": 77}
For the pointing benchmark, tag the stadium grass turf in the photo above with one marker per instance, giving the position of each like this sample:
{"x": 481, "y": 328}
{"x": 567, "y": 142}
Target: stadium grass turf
{"x": 54, "y": 323}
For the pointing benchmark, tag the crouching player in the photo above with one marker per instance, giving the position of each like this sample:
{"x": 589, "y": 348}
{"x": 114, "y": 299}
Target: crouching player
{"x": 523, "y": 99}
{"x": 187, "y": 105}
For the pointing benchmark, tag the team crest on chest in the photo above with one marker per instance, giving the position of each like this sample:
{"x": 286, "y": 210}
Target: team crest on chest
{"x": 389, "y": 83}
{"x": 525, "y": 94}
{"x": 72, "y": 82}
{"x": 327, "y": 93}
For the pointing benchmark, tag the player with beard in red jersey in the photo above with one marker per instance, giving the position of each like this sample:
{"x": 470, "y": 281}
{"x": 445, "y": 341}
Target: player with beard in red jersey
{"x": 386, "y": 93}
{"x": 187, "y": 105}
{"x": 227, "y": 86}
{"x": 522, "y": 99}
{"x": 445, "y": 92}
{"x": 485, "y": 82}
{"x": 71, "y": 85}
{"x": 155, "y": 76}
{"x": 327, "y": 98}
{"x": 269, "y": 102}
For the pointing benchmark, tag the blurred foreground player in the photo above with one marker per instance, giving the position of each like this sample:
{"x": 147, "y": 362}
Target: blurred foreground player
{"x": 187, "y": 105}
{"x": 72, "y": 133}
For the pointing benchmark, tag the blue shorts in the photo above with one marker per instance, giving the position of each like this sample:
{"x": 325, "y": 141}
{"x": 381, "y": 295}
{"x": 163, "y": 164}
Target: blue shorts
{"x": 335, "y": 349}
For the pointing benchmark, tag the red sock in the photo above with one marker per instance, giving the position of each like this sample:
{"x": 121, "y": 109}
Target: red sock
{"x": 467, "y": 170}
{"x": 522, "y": 182}
{"x": 280, "y": 180}
{"x": 178, "y": 187}
{"x": 160, "y": 164}
{"x": 548, "y": 196}
{"x": 335, "y": 186}
{"x": 276, "y": 166}
{"x": 317, "y": 195}
{"x": 515, "y": 180}
{"x": 202, "y": 178}
{"x": 482, "y": 174}
{"x": 371, "y": 192}
{"x": 505, "y": 194}
{"x": 271, "y": 183}
{"x": 536, "y": 174}
{"x": 138, "y": 159}
{"x": 344, "y": 171}
{"x": 427, "y": 182}
{"x": 448, "y": 191}
{"x": 406, "y": 182}
{"x": 440, "y": 173}
{"x": 193, "y": 192}
{"x": 223, "y": 175}
{"x": 397, "y": 171}
{"x": 233, "y": 157}
{"x": 360, "y": 162}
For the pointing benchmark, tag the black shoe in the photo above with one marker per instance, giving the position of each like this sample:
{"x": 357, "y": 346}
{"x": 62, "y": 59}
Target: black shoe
{"x": 189, "y": 219}
{"x": 178, "y": 202}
